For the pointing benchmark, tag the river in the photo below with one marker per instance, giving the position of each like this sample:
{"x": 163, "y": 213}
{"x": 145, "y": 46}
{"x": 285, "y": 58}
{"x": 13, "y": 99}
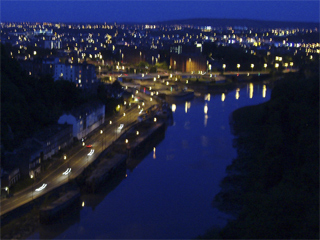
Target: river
{"x": 169, "y": 193}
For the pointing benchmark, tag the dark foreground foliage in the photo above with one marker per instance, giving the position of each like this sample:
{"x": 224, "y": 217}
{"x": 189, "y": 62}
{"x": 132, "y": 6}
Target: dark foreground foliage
{"x": 29, "y": 104}
{"x": 272, "y": 187}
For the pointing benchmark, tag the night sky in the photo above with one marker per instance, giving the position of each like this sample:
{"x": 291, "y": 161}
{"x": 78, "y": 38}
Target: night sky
{"x": 152, "y": 10}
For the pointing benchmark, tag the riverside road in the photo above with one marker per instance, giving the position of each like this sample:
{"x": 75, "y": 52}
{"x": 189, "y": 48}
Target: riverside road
{"x": 77, "y": 158}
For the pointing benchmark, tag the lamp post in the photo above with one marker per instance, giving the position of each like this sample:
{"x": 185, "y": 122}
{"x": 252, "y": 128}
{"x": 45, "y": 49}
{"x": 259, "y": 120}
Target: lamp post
{"x": 224, "y": 68}
{"x": 102, "y": 144}
{"x": 238, "y": 66}
{"x": 265, "y": 66}
{"x": 276, "y": 66}
{"x": 291, "y": 65}
{"x": 32, "y": 177}
{"x": 252, "y": 66}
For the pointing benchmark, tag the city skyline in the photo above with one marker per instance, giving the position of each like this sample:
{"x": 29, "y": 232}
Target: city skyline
{"x": 148, "y": 11}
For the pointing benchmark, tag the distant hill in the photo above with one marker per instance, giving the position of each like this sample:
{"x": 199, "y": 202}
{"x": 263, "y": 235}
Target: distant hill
{"x": 250, "y": 23}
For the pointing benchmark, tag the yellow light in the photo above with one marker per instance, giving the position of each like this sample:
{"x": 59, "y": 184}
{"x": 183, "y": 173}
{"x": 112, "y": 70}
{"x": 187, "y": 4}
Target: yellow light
{"x": 127, "y": 140}
{"x": 223, "y": 97}
{"x": 155, "y": 119}
{"x": 276, "y": 65}
{"x": 101, "y": 131}
{"x": 237, "y": 93}
{"x": 205, "y": 109}
{"x": 154, "y": 153}
{"x": 223, "y": 66}
{"x": 264, "y": 91}
{"x": 251, "y": 90}
{"x": 137, "y": 133}
{"x": 82, "y": 204}
{"x": 124, "y": 114}
{"x": 110, "y": 122}
{"x": 252, "y": 65}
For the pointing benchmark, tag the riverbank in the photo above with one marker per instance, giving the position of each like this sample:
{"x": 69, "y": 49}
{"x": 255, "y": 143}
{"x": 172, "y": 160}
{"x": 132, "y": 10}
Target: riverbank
{"x": 272, "y": 187}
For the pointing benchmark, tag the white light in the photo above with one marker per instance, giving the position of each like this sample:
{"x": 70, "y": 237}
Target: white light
{"x": 174, "y": 107}
{"x": 42, "y": 187}
{"x": 67, "y": 171}
{"x": 91, "y": 152}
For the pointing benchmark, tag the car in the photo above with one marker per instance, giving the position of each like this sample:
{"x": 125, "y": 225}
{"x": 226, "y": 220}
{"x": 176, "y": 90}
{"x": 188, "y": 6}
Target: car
{"x": 89, "y": 146}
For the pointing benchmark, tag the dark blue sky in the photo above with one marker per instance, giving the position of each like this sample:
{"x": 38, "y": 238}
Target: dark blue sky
{"x": 156, "y": 10}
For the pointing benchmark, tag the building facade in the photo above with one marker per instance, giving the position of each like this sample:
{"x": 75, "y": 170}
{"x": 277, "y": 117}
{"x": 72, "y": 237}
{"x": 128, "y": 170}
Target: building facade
{"x": 84, "y": 119}
{"x": 83, "y": 75}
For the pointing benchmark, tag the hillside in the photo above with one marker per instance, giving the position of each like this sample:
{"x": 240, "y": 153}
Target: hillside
{"x": 249, "y": 23}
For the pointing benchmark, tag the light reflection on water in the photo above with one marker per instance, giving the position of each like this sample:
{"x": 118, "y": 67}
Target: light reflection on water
{"x": 169, "y": 193}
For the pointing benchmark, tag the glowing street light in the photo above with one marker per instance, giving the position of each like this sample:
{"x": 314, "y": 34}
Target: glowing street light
{"x": 265, "y": 66}
{"x": 238, "y": 66}
{"x": 276, "y": 65}
{"x": 252, "y": 66}
{"x": 224, "y": 67}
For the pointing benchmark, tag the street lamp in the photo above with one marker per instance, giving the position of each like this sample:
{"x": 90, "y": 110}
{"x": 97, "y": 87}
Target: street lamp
{"x": 252, "y": 66}
{"x": 224, "y": 67}
{"x": 32, "y": 177}
{"x": 102, "y": 144}
{"x": 276, "y": 65}
{"x": 238, "y": 66}
{"x": 265, "y": 66}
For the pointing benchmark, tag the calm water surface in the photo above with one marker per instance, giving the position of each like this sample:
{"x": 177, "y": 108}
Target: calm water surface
{"x": 169, "y": 193}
